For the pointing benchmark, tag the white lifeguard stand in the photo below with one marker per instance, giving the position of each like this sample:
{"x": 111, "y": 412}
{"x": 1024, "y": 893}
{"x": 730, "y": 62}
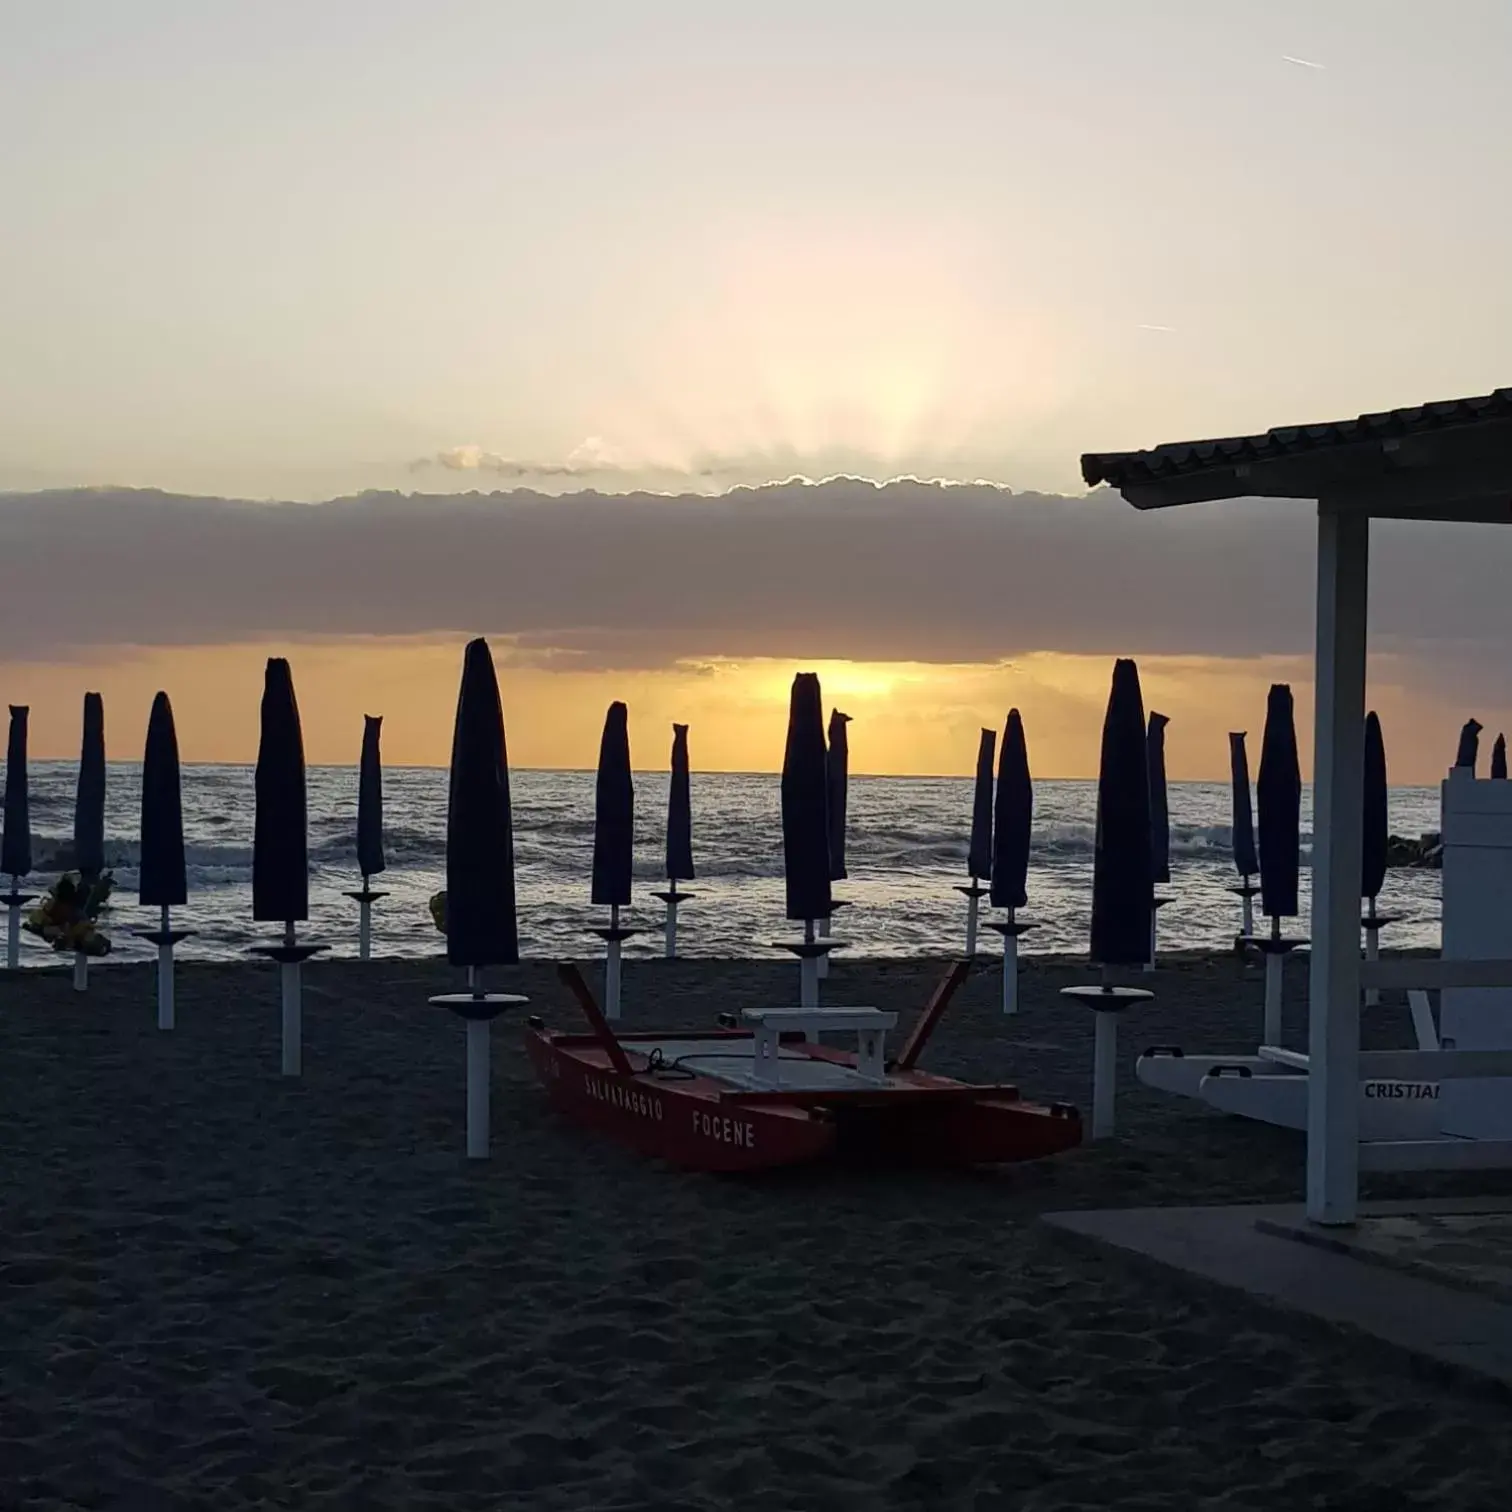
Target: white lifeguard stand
{"x": 1477, "y": 925}
{"x": 1435, "y": 463}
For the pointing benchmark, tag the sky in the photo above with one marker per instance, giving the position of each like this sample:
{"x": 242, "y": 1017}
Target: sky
{"x": 301, "y": 252}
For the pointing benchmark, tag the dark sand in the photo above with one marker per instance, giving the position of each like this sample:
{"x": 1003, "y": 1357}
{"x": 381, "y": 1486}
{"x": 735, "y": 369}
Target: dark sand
{"x": 222, "y": 1290}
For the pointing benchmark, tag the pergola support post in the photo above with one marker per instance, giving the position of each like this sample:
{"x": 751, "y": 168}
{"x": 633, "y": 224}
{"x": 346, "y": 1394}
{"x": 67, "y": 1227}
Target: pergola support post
{"x": 1333, "y": 1155}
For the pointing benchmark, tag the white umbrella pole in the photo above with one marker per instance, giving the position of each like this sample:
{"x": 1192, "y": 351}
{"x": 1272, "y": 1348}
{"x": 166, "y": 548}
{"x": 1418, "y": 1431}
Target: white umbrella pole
{"x": 1273, "y": 965}
{"x": 1154, "y": 933}
{"x": 808, "y": 973}
{"x": 165, "y": 973}
{"x": 612, "y": 967}
{"x": 971, "y": 921}
{"x": 1104, "y": 1072}
{"x": 477, "y": 1089}
{"x": 289, "y": 989}
{"x": 13, "y": 933}
{"x": 672, "y": 919}
{"x": 365, "y": 927}
{"x": 1010, "y": 970}
{"x": 1372, "y": 952}
{"x": 821, "y": 965}
{"x": 1249, "y": 912}
{"x": 81, "y": 972}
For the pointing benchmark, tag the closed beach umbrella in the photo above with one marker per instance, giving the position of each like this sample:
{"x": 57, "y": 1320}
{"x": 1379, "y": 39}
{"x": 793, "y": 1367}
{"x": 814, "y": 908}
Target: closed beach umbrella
{"x": 162, "y": 882}
{"x": 1123, "y": 888}
{"x": 1279, "y": 792}
{"x": 805, "y": 804}
{"x": 614, "y": 812}
{"x": 1246, "y": 863}
{"x": 837, "y": 771}
{"x": 1375, "y": 832}
{"x": 280, "y": 863}
{"x": 979, "y": 857}
{"x": 1499, "y": 759}
{"x": 89, "y": 800}
{"x": 1160, "y": 813}
{"x": 1013, "y": 819}
{"x": 481, "y": 928}
{"x": 1469, "y": 744}
{"x": 15, "y": 840}
{"x": 370, "y": 800}
{"x": 680, "y": 811}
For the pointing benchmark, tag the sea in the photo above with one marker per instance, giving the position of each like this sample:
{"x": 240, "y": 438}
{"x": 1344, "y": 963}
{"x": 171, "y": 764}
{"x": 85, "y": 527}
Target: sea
{"x": 906, "y": 853}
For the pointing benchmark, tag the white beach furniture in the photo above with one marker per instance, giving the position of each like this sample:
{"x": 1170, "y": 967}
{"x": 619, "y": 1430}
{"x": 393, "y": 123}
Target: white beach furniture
{"x": 1417, "y": 1109}
{"x": 870, "y": 1026}
{"x": 1423, "y": 1109}
{"x": 1168, "y": 1068}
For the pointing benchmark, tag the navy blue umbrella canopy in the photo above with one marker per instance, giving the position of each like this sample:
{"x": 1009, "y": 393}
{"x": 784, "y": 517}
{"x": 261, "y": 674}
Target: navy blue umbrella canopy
{"x": 837, "y": 773}
{"x": 1246, "y": 862}
{"x": 162, "y": 882}
{"x": 1278, "y": 790}
{"x": 89, "y": 799}
{"x": 805, "y": 804}
{"x": 1499, "y": 759}
{"x": 1375, "y": 831}
{"x": 1469, "y": 744}
{"x": 1160, "y": 812}
{"x": 481, "y": 929}
{"x": 15, "y": 839}
{"x": 614, "y": 812}
{"x": 370, "y": 859}
{"x": 1013, "y": 819}
{"x": 979, "y": 856}
{"x": 1123, "y": 887}
{"x": 680, "y": 811}
{"x": 280, "y": 861}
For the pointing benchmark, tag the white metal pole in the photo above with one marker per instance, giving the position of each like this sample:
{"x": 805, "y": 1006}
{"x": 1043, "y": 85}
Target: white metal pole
{"x": 13, "y": 935}
{"x": 1333, "y": 1124}
{"x": 1249, "y": 913}
{"x": 821, "y": 966}
{"x": 293, "y": 1028}
{"x": 1274, "y": 966}
{"x": 612, "y": 968}
{"x": 1154, "y": 930}
{"x": 1372, "y": 952}
{"x": 808, "y": 977}
{"x": 477, "y": 1089}
{"x": 971, "y": 921}
{"x": 364, "y": 928}
{"x": 81, "y": 972}
{"x": 808, "y": 996}
{"x": 1010, "y": 973}
{"x": 672, "y": 919}
{"x": 1104, "y": 1070}
{"x": 165, "y": 972}
{"x": 288, "y": 974}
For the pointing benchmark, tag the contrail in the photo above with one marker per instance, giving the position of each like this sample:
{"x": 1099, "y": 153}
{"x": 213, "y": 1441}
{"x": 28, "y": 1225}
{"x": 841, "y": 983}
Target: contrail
{"x": 1143, "y": 327}
{"x": 1301, "y": 62}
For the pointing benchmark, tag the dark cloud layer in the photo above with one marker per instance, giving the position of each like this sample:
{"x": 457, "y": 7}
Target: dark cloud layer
{"x": 843, "y": 569}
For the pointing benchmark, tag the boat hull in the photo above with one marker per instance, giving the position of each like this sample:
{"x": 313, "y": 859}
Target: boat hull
{"x": 700, "y": 1123}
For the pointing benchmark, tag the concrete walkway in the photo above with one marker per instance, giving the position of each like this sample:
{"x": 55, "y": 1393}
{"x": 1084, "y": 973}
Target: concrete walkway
{"x": 1343, "y": 1276}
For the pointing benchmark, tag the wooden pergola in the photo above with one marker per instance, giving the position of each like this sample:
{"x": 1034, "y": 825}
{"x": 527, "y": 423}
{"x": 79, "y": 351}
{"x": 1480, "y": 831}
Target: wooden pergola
{"x": 1444, "y": 462}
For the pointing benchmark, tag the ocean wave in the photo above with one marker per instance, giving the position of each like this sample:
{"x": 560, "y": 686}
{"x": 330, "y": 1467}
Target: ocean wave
{"x": 51, "y": 853}
{"x": 566, "y": 848}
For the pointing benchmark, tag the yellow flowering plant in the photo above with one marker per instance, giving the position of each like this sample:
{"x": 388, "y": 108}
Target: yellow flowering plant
{"x": 67, "y": 918}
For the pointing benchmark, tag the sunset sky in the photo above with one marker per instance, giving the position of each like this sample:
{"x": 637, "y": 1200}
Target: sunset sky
{"x": 583, "y": 256}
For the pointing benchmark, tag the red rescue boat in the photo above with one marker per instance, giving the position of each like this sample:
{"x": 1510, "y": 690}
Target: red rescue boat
{"x": 714, "y": 1101}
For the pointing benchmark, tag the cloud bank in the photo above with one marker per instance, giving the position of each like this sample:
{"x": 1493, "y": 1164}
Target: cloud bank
{"x": 838, "y": 570}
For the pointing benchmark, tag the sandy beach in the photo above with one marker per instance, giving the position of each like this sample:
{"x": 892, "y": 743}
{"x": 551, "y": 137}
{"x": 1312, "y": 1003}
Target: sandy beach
{"x": 223, "y": 1289}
